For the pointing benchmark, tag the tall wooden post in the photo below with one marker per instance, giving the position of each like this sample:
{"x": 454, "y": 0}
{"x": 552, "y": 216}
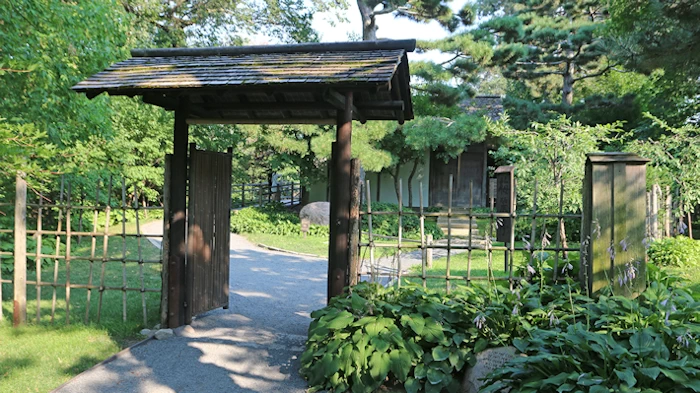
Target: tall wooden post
{"x": 178, "y": 212}
{"x": 19, "y": 315}
{"x": 340, "y": 203}
{"x": 614, "y": 209}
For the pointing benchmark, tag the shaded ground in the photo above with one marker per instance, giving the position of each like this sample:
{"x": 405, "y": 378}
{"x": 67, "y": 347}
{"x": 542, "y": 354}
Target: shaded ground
{"x": 252, "y": 347}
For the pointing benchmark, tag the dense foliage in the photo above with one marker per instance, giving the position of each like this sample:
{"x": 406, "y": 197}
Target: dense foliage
{"x": 679, "y": 251}
{"x": 423, "y": 340}
{"x": 271, "y": 219}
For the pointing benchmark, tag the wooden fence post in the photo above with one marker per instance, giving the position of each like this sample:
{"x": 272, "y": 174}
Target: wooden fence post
{"x": 667, "y": 218}
{"x": 354, "y": 224}
{"x": 429, "y": 253}
{"x": 19, "y": 314}
{"x": 654, "y": 218}
{"x": 614, "y": 223}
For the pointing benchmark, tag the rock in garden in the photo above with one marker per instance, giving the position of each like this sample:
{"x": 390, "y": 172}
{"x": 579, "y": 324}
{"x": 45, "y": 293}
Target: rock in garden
{"x": 163, "y": 334}
{"x": 486, "y": 361}
{"x": 157, "y": 327}
{"x": 184, "y": 331}
{"x": 316, "y": 212}
{"x": 146, "y": 332}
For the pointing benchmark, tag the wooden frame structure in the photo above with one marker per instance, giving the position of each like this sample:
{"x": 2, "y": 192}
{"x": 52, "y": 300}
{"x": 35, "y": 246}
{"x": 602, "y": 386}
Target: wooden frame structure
{"x": 318, "y": 83}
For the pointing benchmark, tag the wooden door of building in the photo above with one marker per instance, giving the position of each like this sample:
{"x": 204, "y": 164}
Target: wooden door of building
{"x": 208, "y": 238}
{"x": 469, "y": 168}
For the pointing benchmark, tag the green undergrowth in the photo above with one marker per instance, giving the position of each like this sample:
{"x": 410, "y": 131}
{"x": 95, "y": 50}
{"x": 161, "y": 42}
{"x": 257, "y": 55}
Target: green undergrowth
{"x": 422, "y": 340}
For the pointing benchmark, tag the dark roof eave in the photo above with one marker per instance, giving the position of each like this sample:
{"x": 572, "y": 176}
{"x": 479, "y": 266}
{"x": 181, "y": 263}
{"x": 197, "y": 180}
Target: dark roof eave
{"x": 407, "y": 45}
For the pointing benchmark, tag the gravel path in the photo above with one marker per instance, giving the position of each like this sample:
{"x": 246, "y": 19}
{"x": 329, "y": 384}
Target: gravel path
{"x": 251, "y": 347}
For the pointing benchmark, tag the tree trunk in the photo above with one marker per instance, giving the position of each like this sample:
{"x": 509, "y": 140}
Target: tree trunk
{"x": 410, "y": 181}
{"x": 369, "y": 26}
{"x": 567, "y": 92}
{"x": 395, "y": 175}
{"x": 304, "y": 196}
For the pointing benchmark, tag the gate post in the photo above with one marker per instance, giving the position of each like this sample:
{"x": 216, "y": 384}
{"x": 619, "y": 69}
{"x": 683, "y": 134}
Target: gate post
{"x": 19, "y": 314}
{"x": 613, "y": 228}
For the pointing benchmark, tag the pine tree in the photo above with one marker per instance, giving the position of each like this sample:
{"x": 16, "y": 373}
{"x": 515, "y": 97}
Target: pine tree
{"x": 540, "y": 39}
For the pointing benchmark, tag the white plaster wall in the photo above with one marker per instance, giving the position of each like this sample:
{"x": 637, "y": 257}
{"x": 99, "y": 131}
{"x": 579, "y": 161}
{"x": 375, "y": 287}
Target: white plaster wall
{"x": 317, "y": 192}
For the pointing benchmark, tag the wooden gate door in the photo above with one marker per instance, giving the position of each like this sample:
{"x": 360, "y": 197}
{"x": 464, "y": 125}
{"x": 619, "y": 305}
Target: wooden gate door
{"x": 209, "y": 231}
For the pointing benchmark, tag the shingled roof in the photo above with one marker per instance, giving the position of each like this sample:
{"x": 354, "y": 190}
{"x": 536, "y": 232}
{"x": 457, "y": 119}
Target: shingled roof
{"x": 267, "y": 84}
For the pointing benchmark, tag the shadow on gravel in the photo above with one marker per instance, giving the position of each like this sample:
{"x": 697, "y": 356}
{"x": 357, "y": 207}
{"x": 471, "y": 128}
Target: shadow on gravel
{"x": 251, "y": 347}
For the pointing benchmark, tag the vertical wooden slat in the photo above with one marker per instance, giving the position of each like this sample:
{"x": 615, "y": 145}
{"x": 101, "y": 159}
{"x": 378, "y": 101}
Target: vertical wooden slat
{"x": 123, "y": 234}
{"x": 471, "y": 223}
{"x": 449, "y": 233}
{"x": 634, "y": 211}
{"x": 165, "y": 244}
{"x": 424, "y": 251}
{"x": 140, "y": 257}
{"x": 354, "y": 224}
{"x": 19, "y": 315}
{"x": 93, "y": 245}
{"x": 105, "y": 249}
{"x": 667, "y": 218}
{"x": 57, "y": 250}
{"x": 69, "y": 231}
{"x": 370, "y": 237}
{"x": 398, "y": 254}
{"x": 533, "y": 227}
{"x": 557, "y": 235}
{"x": 37, "y": 260}
{"x": 603, "y": 219}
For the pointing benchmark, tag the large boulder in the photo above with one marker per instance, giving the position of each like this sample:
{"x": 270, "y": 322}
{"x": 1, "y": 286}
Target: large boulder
{"x": 317, "y": 213}
{"x": 486, "y": 362}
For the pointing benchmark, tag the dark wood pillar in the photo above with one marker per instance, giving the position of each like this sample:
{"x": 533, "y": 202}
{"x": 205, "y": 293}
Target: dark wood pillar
{"x": 340, "y": 203}
{"x": 178, "y": 212}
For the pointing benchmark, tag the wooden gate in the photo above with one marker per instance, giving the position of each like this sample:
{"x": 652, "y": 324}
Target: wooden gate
{"x": 209, "y": 231}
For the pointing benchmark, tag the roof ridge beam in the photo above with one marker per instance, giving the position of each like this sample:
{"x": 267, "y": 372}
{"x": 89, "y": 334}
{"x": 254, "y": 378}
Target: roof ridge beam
{"x": 407, "y": 45}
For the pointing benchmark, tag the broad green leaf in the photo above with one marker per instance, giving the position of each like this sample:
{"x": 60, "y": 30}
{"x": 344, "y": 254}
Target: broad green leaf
{"x": 627, "y": 376}
{"x": 341, "y": 321}
{"x": 432, "y": 332}
{"x": 421, "y": 371}
{"x": 675, "y": 375}
{"x": 555, "y": 380}
{"x": 375, "y": 327}
{"x": 440, "y": 353}
{"x": 598, "y": 389}
{"x": 480, "y": 345}
{"x": 400, "y": 363}
{"x": 435, "y": 376}
{"x": 651, "y": 372}
{"x": 415, "y": 321}
{"x": 567, "y": 387}
{"x": 412, "y": 385}
{"x": 379, "y": 365}
{"x": 459, "y": 338}
{"x": 379, "y": 344}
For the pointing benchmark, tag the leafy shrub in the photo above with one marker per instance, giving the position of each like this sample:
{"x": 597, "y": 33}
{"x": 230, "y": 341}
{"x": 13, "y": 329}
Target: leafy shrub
{"x": 680, "y": 251}
{"x": 644, "y": 345}
{"x": 271, "y": 219}
{"x": 423, "y": 340}
{"x": 416, "y": 338}
{"x": 388, "y": 224}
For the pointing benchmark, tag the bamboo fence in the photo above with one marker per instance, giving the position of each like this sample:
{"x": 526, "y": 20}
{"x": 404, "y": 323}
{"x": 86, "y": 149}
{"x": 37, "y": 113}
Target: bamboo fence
{"x": 68, "y": 214}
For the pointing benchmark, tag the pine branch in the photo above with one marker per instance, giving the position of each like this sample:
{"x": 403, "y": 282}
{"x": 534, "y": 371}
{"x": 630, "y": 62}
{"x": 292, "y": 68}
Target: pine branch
{"x": 595, "y": 74}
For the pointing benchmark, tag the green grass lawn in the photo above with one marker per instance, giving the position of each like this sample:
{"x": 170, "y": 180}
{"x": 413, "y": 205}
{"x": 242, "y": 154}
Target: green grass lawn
{"x": 314, "y": 245}
{"x": 40, "y": 357}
